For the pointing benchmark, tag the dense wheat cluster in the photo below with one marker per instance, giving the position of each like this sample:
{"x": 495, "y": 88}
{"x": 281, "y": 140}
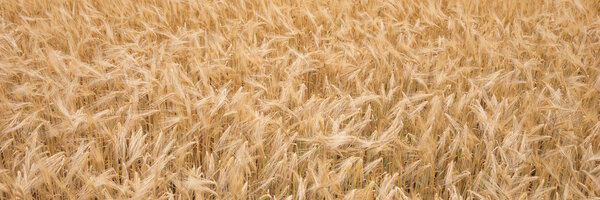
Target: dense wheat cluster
{"x": 286, "y": 99}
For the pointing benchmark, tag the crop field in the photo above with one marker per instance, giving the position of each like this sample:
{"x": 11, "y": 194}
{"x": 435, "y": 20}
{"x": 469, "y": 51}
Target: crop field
{"x": 300, "y": 99}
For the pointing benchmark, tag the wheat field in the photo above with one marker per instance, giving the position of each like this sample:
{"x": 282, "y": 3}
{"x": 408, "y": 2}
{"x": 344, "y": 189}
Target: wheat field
{"x": 299, "y": 99}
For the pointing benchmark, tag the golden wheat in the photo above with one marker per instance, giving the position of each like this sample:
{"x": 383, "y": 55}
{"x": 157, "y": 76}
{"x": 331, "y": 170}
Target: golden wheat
{"x": 285, "y": 99}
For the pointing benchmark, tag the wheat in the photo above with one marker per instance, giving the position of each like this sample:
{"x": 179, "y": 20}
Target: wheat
{"x": 199, "y": 99}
